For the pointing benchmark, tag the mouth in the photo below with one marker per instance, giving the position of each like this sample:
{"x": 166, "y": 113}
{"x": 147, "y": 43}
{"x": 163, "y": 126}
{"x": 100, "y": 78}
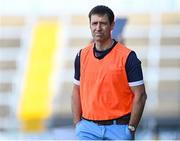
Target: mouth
{"x": 98, "y": 34}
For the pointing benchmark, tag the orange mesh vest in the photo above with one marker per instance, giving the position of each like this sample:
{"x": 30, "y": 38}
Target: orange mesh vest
{"x": 104, "y": 90}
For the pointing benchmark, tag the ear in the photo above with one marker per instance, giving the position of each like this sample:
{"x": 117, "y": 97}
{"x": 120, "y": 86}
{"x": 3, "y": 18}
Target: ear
{"x": 112, "y": 25}
{"x": 89, "y": 23}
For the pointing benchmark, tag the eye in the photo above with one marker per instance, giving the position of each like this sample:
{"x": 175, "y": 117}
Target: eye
{"x": 94, "y": 23}
{"x": 103, "y": 23}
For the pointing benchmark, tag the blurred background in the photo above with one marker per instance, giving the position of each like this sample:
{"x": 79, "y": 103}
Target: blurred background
{"x": 39, "y": 40}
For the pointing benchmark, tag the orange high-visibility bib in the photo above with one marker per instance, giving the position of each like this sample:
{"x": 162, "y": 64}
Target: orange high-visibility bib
{"x": 104, "y": 90}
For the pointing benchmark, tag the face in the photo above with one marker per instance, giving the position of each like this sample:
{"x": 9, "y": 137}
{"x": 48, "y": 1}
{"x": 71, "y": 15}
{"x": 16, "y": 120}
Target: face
{"x": 100, "y": 28}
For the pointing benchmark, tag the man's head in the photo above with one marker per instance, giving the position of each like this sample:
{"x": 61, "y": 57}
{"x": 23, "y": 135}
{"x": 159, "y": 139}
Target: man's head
{"x": 102, "y": 10}
{"x": 101, "y": 23}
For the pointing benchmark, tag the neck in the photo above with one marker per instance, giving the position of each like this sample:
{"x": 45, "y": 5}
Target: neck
{"x": 103, "y": 45}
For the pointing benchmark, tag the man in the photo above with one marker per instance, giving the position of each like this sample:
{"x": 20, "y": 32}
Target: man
{"x": 108, "y": 93}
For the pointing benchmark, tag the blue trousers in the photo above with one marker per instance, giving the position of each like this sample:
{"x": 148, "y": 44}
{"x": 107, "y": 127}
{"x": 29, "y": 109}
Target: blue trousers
{"x": 87, "y": 130}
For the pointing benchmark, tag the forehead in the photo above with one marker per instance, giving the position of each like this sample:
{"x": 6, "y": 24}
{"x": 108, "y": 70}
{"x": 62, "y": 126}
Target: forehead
{"x": 97, "y": 17}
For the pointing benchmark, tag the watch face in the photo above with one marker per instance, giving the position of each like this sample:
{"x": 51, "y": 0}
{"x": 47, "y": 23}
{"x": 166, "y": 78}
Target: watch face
{"x": 131, "y": 128}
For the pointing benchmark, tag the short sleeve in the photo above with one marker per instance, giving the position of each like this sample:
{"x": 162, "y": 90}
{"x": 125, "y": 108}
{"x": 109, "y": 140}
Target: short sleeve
{"x": 134, "y": 70}
{"x": 77, "y": 69}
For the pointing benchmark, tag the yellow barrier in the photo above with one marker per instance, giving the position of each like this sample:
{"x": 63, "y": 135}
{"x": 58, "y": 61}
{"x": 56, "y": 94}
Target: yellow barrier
{"x": 35, "y": 103}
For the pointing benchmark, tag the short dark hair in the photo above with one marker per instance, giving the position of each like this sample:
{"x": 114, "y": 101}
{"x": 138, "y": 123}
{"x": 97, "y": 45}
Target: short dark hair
{"x": 102, "y": 10}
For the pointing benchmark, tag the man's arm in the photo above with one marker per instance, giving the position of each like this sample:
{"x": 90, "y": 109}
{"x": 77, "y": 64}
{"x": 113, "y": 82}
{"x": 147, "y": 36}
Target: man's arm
{"x": 138, "y": 104}
{"x": 76, "y": 104}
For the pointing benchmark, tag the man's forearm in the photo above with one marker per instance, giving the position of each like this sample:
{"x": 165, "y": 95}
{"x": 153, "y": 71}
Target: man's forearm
{"x": 137, "y": 110}
{"x": 77, "y": 112}
{"x": 138, "y": 104}
{"x": 76, "y": 104}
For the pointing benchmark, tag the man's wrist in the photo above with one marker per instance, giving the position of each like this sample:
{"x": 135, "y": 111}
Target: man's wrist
{"x": 76, "y": 121}
{"x": 132, "y": 128}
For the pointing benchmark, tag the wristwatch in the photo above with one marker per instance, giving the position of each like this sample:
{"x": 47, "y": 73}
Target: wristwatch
{"x": 131, "y": 128}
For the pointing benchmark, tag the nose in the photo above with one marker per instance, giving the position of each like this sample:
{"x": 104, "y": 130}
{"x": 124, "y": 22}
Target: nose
{"x": 98, "y": 27}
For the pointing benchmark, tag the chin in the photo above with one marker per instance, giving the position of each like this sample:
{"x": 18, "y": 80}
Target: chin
{"x": 98, "y": 39}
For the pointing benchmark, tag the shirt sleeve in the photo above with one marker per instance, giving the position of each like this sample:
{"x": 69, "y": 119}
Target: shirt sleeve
{"x": 77, "y": 69}
{"x": 134, "y": 70}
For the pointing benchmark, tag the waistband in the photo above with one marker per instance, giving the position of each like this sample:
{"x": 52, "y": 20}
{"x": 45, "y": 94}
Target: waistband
{"x": 121, "y": 120}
